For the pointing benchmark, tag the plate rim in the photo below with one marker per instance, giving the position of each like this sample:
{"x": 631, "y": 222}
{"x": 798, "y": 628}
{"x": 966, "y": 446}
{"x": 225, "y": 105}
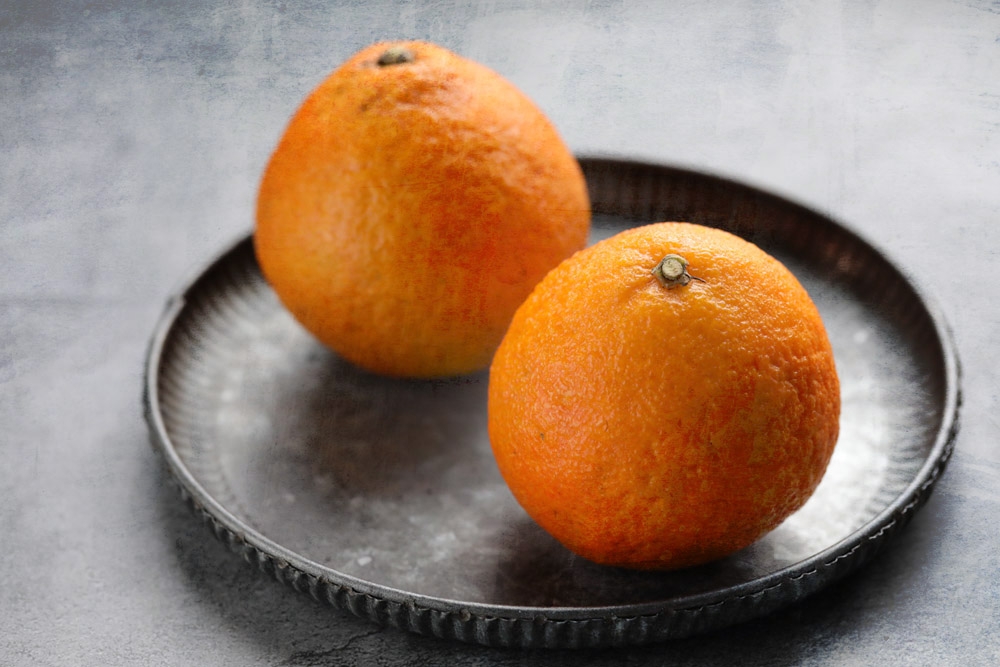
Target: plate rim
{"x": 369, "y": 599}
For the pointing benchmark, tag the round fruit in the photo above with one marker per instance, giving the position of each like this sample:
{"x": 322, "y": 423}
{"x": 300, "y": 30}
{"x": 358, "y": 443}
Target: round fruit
{"x": 412, "y": 203}
{"x": 664, "y": 398}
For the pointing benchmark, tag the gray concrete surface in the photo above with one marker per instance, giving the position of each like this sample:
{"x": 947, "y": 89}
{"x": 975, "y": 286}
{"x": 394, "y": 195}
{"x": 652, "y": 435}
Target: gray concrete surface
{"x": 132, "y": 136}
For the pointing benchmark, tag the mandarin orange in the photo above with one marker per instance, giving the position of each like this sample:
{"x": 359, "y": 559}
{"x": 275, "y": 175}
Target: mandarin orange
{"x": 414, "y": 200}
{"x": 664, "y": 398}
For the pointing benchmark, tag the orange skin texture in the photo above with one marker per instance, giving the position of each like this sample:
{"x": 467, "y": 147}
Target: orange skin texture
{"x": 657, "y": 428}
{"x": 409, "y": 209}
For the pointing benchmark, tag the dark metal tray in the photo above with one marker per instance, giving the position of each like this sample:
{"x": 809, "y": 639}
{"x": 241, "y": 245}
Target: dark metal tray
{"x": 381, "y": 496}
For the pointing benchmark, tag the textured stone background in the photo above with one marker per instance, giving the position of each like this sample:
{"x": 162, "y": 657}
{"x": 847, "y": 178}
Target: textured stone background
{"x": 132, "y": 136}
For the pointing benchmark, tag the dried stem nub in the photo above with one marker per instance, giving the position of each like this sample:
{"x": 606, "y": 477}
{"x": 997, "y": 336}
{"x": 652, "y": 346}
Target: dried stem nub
{"x": 395, "y": 55}
{"x": 672, "y": 272}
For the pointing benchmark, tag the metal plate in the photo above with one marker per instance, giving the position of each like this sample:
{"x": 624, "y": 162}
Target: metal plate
{"x": 381, "y": 496}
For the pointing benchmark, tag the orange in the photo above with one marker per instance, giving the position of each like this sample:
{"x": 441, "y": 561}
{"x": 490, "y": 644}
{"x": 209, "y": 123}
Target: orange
{"x": 412, "y": 203}
{"x": 654, "y": 423}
